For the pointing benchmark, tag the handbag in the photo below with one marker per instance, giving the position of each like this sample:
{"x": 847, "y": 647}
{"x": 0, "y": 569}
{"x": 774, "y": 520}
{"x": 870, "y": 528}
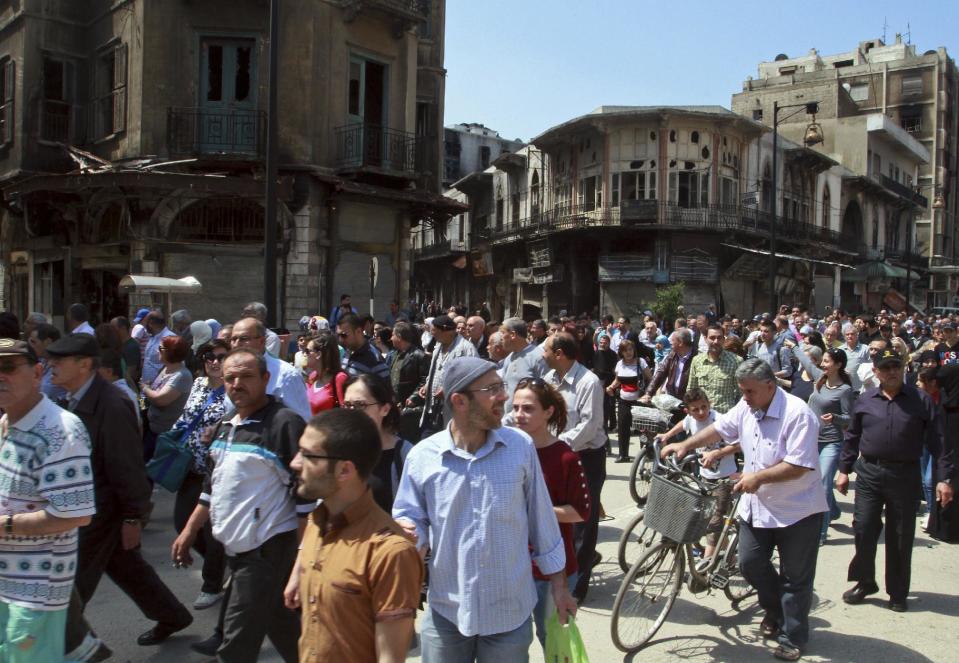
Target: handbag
{"x": 564, "y": 644}
{"x": 172, "y": 458}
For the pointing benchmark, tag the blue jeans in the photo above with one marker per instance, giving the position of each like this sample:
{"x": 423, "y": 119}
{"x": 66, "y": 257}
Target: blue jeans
{"x": 925, "y": 466}
{"x": 441, "y": 642}
{"x": 786, "y": 593}
{"x": 545, "y": 606}
{"x": 828, "y": 466}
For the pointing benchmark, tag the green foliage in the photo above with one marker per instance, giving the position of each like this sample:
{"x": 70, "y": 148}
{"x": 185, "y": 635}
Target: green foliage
{"x": 668, "y": 300}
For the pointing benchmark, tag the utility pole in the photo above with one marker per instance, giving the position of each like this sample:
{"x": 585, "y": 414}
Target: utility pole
{"x": 269, "y": 248}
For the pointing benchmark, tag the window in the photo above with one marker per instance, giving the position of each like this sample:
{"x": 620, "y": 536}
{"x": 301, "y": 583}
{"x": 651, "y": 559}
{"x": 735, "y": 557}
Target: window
{"x": 786, "y": 71}
{"x": 729, "y": 191}
{"x": 911, "y": 121}
{"x": 366, "y": 94}
{"x": 639, "y": 185}
{"x": 689, "y": 189}
{"x": 614, "y": 194}
{"x": 484, "y": 156}
{"x": 534, "y": 194}
{"x": 590, "y": 196}
{"x": 515, "y": 206}
{"x": 911, "y": 85}
{"x": 8, "y": 86}
{"x": 111, "y": 91}
{"x": 56, "y": 123}
{"x": 758, "y": 114}
{"x": 826, "y": 206}
{"x": 875, "y": 230}
{"x": 876, "y": 164}
{"x": 859, "y": 92}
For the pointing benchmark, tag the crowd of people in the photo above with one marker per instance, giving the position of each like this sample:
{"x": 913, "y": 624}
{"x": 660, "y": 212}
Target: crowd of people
{"x": 340, "y": 479}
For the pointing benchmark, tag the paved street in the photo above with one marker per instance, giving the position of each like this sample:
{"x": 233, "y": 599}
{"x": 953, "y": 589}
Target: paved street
{"x": 700, "y": 628}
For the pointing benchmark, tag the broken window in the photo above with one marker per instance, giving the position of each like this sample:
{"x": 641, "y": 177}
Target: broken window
{"x": 911, "y": 120}
{"x": 694, "y": 137}
{"x": 689, "y": 189}
{"x": 484, "y": 156}
{"x": 111, "y": 91}
{"x": 758, "y": 114}
{"x": 590, "y": 194}
{"x": 55, "y": 123}
{"x": 911, "y": 85}
{"x": 838, "y": 64}
{"x": 672, "y": 135}
{"x": 8, "y": 86}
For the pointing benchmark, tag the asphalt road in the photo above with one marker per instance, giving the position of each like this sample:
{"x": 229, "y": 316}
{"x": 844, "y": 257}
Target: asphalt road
{"x": 700, "y": 628}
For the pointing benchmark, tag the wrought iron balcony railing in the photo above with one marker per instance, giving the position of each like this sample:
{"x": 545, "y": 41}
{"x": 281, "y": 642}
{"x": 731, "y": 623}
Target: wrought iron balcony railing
{"x": 205, "y": 131}
{"x": 364, "y": 145}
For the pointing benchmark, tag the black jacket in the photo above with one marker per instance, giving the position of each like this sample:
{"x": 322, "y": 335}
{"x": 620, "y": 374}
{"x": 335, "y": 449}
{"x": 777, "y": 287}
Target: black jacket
{"x": 119, "y": 475}
{"x": 408, "y": 373}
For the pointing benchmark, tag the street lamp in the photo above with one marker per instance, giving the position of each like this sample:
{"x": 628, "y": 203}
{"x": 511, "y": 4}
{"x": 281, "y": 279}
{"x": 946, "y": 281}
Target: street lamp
{"x": 812, "y": 137}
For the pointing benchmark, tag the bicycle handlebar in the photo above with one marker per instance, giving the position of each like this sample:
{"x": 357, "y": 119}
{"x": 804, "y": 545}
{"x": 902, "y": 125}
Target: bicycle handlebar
{"x": 670, "y": 464}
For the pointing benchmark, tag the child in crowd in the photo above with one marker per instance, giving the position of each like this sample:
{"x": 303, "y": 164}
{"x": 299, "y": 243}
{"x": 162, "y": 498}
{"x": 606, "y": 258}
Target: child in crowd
{"x": 662, "y": 348}
{"x": 718, "y": 460}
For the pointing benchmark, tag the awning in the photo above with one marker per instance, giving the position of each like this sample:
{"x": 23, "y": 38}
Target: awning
{"x": 788, "y": 256}
{"x": 877, "y": 270}
{"x": 145, "y": 285}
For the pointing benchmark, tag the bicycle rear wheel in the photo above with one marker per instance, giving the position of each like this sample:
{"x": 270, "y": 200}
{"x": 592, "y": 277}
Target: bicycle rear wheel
{"x": 647, "y": 595}
{"x": 736, "y": 589}
{"x": 640, "y": 472}
{"x": 635, "y": 541}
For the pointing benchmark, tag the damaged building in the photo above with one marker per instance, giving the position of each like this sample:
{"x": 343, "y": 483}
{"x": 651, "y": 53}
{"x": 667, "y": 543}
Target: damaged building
{"x": 134, "y": 135}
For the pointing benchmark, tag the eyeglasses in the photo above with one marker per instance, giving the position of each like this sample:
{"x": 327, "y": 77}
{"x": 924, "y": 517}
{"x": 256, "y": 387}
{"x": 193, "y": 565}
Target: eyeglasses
{"x": 210, "y": 357}
{"x": 243, "y": 339}
{"x": 309, "y": 456}
{"x": 494, "y": 389}
{"x": 9, "y": 368}
{"x": 357, "y": 405}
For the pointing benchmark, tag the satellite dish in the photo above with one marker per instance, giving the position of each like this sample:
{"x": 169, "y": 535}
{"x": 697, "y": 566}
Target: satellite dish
{"x": 781, "y": 57}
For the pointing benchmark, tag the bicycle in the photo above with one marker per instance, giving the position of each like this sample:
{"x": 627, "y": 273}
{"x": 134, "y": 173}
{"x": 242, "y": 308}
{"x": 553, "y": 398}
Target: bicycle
{"x": 679, "y": 508}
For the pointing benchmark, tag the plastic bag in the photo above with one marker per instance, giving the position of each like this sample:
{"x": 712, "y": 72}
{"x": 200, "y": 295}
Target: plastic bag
{"x": 564, "y": 643}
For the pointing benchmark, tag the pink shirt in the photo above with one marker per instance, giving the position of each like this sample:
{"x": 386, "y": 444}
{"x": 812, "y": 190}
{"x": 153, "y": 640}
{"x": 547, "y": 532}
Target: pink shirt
{"x": 788, "y": 431}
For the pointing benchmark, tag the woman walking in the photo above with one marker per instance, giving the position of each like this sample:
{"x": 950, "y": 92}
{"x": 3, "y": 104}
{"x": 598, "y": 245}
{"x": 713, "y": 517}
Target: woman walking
{"x": 327, "y": 378}
{"x": 632, "y": 375}
{"x": 166, "y": 395}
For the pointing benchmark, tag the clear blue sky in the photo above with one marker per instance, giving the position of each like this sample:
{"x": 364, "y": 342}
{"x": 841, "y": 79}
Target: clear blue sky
{"x": 522, "y": 66}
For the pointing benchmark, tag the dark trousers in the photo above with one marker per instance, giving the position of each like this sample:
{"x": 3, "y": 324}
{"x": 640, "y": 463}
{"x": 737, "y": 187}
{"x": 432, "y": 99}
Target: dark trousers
{"x": 895, "y": 488}
{"x": 609, "y": 412}
{"x": 255, "y": 603}
{"x": 214, "y": 557}
{"x": 624, "y": 425}
{"x": 100, "y": 552}
{"x": 785, "y": 594}
{"x": 594, "y": 467}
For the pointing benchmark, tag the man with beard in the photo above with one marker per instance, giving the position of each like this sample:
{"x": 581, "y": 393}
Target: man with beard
{"x": 361, "y": 606}
{"x": 474, "y": 493}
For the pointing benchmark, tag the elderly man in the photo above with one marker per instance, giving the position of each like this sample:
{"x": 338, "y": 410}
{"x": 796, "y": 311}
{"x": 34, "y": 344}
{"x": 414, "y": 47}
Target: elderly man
{"x": 31, "y": 323}
{"x": 583, "y": 394}
{"x": 259, "y": 311}
{"x": 497, "y": 349}
{"x": 40, "y": 339}
{"x": 856, "y": 354}
{"x": 525, "y": 359}
{"x": 111, "y": 542}
{"x": 350, "y": 543}
{"x": 889, "y": 427}
{"x": 247, "y": 497}
{"x": 783, "y": 501}
{"x": 157, "y": 330}
{"x": 714, "y": 371}
{"x": 475, "y": 495}
{"x": 285, "y": 382}
{"x": 46, "y": 487}
{"x": 476, "y": 333}
{"x": 449, "y": 346}
{"x": 360, "y": 356}
{"x": 672, "y": 374}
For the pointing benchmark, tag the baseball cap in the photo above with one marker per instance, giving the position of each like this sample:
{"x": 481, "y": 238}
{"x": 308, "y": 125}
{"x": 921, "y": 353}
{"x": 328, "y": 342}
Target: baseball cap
{"x": 142, "y": 313}
{"x": 888, "y": 358}
{"x": 11, "y": 347}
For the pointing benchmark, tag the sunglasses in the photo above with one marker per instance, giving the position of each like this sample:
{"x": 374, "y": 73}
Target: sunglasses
{"x": 531, "y": 382}
{"x": 211, "y": 357}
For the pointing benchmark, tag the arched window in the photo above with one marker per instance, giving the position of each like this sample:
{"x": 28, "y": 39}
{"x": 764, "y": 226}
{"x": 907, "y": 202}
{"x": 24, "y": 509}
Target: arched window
{"x": 221, "y": 220}
{"x": 875, "y": 229}
{"x": 534, "y": 194}
{"x": 826, "y": 206}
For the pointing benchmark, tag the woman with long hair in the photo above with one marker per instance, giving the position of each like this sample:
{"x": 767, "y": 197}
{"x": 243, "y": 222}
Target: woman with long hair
{"x": 540, "y": 411}
{"x": 326, "y": 379}
{"x": 632, "y": 375}
{"x": 205, "y": 407}
{"x": 831, "y": 400}
{"x": 374, "y": 396}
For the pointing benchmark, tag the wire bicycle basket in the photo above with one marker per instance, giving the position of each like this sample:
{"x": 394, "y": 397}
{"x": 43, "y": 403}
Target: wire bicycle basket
{"x": 650, "y": 420}
{"x": 679, "y": 512}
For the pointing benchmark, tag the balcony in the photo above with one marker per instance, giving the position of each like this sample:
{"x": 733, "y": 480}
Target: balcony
{"x": 902, "y": 256}
{"x": 371, "y": 147}
{"x": 202, "y": 131}
{"x": 407, "y": 11}
{"x": 440, "y": 248}
{"x": 903, "y": 191}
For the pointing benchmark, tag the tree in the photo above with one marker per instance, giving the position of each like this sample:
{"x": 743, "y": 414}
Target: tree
{"x": 668, "y": 300}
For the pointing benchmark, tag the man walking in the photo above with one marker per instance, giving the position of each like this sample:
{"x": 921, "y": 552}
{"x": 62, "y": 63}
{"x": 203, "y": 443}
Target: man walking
{"x": 583, "y": 393}
{"x": 782, "y": 503}
{"x": 157, "y": 330}
{"x": 46, "y": 489}
{"x": 449, "y": 346}
{"x": 111, "y": 542}
{"x": 360, "y": 355}
{"x": 856, "y": 354}
{"x": 247, "y": 497}
{"x": 889, "y": 426}
{"x": 714, "y": 371}
{"x": 475, "y": 495}
{"x": 672, "y": 374}
{"x": 285, "y": 382}
{"x": 771, "y": 350}
{"x": 525, "y": 359}
{"x": 476, "y": 333}
{"x": 358, "y": 577}
{"x": 78, "y": 319}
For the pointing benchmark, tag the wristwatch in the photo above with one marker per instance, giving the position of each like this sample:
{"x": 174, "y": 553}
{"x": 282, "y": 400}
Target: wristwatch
{"x": 132, "y": 521}
{"x": 8, "y": 524}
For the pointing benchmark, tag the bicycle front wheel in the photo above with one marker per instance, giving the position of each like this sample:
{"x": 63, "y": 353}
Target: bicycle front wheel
{"x": 647, "y": 595}
{"x": 736, "y": 589}
{"x": 639, "y": 474}
{"x": 635, "y": 541}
